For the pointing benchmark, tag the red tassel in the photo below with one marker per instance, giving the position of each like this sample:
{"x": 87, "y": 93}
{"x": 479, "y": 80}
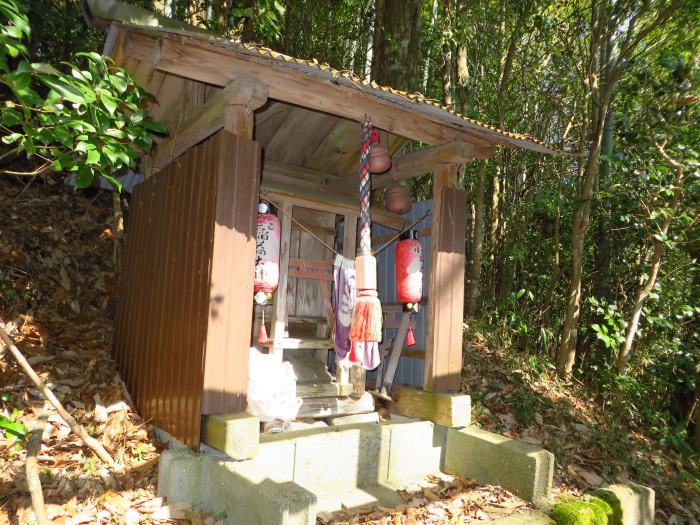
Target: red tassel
{"x": 262, "y": 334}
{"x": 410, "y": 340}
{"x": 353, "y": 353}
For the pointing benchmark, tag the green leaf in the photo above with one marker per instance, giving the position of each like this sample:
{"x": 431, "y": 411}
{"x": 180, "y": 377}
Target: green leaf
{"x": 154, "y": 126}
{"x": 14, "y": 428}
{"x": 93, "y": 157}
{"x": 109, "y": 102}
{"x": 63, "y": 88}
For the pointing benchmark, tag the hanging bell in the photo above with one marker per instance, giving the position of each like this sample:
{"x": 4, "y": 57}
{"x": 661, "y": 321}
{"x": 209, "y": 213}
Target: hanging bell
{"x": 397, "y": 199}
{"x": 379, "y": 159}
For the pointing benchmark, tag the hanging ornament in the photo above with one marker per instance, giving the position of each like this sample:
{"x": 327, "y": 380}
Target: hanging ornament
{"x": 367, "y": 314}
{"x": 267, "y": 255}
{"x": 262, "y": 333}
{"x": 379, "y": 159}
{"x": 409, "y": 269}
{"x": 410, "y": 339}
{"x": 397, "y": 198}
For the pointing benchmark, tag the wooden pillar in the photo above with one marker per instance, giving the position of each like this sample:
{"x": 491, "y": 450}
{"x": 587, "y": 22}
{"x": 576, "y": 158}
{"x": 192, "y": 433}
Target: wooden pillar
{"x": 232, "y": 269}
{"x": 443, "y": 354}
{"x": 279, "y": 309}
{"x": 234, "y": 245}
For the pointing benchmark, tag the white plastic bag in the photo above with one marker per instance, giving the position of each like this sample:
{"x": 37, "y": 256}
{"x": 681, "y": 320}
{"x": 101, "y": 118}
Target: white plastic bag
{"x": 272, "y": 388}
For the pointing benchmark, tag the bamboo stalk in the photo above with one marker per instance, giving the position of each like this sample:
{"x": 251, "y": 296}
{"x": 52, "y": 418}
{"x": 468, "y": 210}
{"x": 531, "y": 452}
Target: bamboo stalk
{"x": 77, "y": 429}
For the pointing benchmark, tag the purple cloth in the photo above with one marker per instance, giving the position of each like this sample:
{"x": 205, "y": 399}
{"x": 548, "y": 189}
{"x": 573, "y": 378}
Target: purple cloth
{"x": 344, "y": 300}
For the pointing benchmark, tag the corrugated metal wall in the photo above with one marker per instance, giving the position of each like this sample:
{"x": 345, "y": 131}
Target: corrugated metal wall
{"x": 165, "y": 301}
{"x": 410, "y": 369}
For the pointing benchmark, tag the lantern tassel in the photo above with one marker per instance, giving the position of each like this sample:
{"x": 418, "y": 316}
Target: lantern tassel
{"x": 410, "y": 340}
{"x": 262, "y": 333}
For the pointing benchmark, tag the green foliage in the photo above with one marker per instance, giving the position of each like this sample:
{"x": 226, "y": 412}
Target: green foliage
{"x": 89, "y": 121}
{"x": 12, "y": 427}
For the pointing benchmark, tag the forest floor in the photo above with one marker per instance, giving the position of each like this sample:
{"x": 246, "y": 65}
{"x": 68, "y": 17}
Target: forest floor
{"x": 57, "y": 289}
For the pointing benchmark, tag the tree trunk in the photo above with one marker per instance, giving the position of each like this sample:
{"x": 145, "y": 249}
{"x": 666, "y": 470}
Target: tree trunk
{"x": 646, "y": 286}
{"x": 397, "y": 44}
{"x": 478, "y": 241}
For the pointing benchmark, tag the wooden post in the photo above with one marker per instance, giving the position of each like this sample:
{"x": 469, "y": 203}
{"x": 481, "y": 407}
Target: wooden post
{"x": 232, "y": 268}
{"x": 279, "y": 310}
{"x": 443, "y": 353}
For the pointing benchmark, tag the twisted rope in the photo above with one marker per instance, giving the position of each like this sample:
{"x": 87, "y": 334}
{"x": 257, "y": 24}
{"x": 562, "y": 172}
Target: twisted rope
{"x": 365, "y": 187}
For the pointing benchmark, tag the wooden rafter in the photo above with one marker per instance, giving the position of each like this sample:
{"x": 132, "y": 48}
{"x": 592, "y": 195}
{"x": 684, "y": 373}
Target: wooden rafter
{"x": 424, "y": 161}
{"x": 246, "y": 92}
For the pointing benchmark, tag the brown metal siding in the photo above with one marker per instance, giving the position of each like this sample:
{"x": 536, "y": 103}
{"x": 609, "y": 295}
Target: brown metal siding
{"x": 163, "y": 319}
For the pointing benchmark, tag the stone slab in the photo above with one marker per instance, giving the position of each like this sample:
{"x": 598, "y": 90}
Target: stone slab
{"x": 372, "y": 417}
{"x": 632, "y": 504}
{"x": 490, "y": 458}
{"x": 533, "y": 517}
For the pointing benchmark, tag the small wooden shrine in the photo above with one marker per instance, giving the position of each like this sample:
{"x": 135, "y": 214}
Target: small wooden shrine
{"x": 248, "y": 124}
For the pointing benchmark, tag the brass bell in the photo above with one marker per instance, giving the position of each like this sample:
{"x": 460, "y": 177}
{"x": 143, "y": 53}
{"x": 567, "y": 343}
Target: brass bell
{"x": 379, "y": 159}
{"x": 397, "y": 199}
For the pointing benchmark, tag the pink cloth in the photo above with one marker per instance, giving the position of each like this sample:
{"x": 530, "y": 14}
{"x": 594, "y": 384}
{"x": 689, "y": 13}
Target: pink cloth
{"x": 344, "y": 300}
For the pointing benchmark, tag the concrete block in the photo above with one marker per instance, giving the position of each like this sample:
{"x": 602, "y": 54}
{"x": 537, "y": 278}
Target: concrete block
{"x": 275, "y": 461}
{"x": 179, "y": 474}
{"x": 632, "y": 504}
{"x": 328, "y": 462}
{"x": 489, "y": 458}
{"x": 250, "y": 500}
{"x": 450, "y": 410}
{"x": 413, "y": 452}
{"x": 237, "y": 435}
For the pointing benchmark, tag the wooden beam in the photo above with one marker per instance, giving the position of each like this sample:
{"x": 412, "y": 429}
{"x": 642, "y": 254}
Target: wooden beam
{"x": 198, "y": 59}
{"x": 450, "y": 410}
{"x": 318, "y": 191}
{"x": 443, "y": 355}
{"x": 279, "y": 310}
{"x": 424, "y": 161}
{"x": 237, "y": 435}
{"x": 229, "y": 108}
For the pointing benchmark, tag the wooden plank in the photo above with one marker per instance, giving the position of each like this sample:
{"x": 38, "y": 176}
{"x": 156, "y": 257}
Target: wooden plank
{"x": 268, "y": 120}
{"x": 349, "y": 235}
{"x": 305, "y": 177}
{"x": 231, "y": 107}
{"x": 197, "y": 59}
{"x": 295, "y": 343}
{"x": 424, "y": 161}
{"x": 443, "y": 358}
{"x": 279, "y": 310}
{"x": 319, "y": 407}
{"x": 237, "y": 168}
{"x": 323, "y": 390}
{"x": 323, "y": 200}
{"x": 237, "y": 435}
{"x": 299, "y": 135}
{"x": 395, "y": 355}
{"x": 450, "y": 410}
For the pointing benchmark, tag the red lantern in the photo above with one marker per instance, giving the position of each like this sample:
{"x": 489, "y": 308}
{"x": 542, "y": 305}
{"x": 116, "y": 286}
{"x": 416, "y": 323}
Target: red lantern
{"x": 409, "y": 269}
{"x": 267, "y": 255}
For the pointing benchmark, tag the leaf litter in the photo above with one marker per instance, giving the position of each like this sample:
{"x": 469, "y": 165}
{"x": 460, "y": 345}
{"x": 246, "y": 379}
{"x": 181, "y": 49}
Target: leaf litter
{"x": 57, "y": 289}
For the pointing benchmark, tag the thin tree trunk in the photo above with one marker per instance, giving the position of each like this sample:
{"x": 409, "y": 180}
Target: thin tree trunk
{"x": 77, "y": 429}
{"x": 478, "y": 240}
{"x": 32, "y": 471}
{"x": 659, "y": 248}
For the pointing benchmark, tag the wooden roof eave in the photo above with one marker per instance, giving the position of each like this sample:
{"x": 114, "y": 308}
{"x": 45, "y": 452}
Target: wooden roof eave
{"x": 202, "y": 58}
